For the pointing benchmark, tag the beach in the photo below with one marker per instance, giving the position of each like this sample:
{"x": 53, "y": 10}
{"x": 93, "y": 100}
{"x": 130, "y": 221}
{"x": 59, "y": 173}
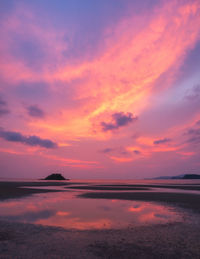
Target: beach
{"x": 167, "y": 240}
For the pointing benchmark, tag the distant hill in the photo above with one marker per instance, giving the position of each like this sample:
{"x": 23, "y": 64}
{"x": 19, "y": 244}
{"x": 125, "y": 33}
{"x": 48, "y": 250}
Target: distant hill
{"x": 191, "y": 176}
{"x": 182, "y": 176}
{"x": 55, "y": 177}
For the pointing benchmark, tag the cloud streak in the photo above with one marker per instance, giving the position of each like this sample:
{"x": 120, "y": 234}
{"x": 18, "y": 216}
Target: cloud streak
{"x": 194, "y": 95}
{"x": 35, "y": 111}
{"x": 3, "y": 107}
{"x": 107, "y": 150}
{"x": 162, "y": 141}
{"x": 194, "y": 136}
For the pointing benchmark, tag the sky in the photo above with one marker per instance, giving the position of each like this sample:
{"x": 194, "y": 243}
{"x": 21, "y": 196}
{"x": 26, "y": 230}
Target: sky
{"x": 99, "y": 89}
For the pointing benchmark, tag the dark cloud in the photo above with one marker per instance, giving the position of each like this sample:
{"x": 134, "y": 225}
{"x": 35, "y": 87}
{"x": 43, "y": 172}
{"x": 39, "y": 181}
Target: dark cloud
{"x": 161, "y": 141}
{"x": 35, "y": 111}
{"x": 28, "y": 49}
{"x": 33, "y": 91}
{"x": 118, "y": 150}
{"x": 27, "y": 140}
{"x": 194, "y": 136}
{"x": 123, "y": 152}
{"x": 107, "y": 150}
{"x": 137, "y": 152}
{"x": 194, "y": 95}
{"x": 3, "y": 107}
{"x": 119, "y": 119}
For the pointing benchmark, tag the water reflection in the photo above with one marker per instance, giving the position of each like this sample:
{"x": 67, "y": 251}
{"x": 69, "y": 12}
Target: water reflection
{"x": 65, "y": 210}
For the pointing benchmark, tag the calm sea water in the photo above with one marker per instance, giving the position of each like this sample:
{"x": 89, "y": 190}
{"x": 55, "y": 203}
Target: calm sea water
{"x": 66, "y": 209}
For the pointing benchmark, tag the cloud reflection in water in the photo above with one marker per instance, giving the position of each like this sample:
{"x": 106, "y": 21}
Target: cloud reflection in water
{"x": 64, "y": 210}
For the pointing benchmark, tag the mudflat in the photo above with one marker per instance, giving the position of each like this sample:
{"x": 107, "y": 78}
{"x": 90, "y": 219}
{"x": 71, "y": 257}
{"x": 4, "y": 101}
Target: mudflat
{"x": 185, "y": 200}
{"x": 18, "y": 240}
{"x": 139, "y": 187}
{"x": 10, "y": 190}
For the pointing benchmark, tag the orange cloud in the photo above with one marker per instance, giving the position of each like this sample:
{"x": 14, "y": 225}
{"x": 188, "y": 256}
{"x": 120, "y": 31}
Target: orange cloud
{"x": 123, "y": 77}
{"x": 72, "y": 162}
{"x": 62, "y": 213}
{"x": 121, "y": 159}
{"x": 118, "y": 79}
{"x": 63, "y": 161}
{"x": 11, "y": 151}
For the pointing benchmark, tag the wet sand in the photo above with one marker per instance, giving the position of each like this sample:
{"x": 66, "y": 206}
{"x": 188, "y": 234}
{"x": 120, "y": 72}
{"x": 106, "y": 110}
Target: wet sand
{"x": 15, "y": 190}
{"x": 111, "y": 188}
{"x": 139, "y": 187}
{"x": 18, "y": 240}
{"x": 173, "y": 240}
{"x": 11, "y": 190}
{"x": 185, "y": 200}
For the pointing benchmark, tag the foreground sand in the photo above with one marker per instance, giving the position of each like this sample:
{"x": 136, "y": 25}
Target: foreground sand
{"x": 174, "y": 240}
{"x": 10, "y": 190}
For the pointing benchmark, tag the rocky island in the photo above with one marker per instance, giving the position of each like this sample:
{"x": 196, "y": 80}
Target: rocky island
{"x": 55, "y": 177}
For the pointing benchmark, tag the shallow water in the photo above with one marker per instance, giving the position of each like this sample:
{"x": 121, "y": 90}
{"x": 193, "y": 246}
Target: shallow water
{"x": 65, "y": 209}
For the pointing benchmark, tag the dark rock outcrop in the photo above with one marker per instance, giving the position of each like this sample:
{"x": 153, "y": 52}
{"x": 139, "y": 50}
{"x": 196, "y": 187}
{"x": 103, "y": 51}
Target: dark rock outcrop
{"x": 55, "y": 177}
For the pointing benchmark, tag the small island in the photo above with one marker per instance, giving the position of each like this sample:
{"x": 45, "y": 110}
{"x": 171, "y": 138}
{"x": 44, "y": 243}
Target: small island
{"x": 55, "y": 177}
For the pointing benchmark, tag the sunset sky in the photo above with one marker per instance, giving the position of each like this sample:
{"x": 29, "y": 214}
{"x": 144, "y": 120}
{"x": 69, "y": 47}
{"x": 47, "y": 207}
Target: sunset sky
{"x": 99, "y": 88}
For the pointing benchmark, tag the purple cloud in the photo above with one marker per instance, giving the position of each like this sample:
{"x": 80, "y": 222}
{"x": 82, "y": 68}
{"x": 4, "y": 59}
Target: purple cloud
{"x": 195, "y": 94}
{"x": 35, "y": 111}
{"x": 3, "y": 107}
{"x": 120, "y": 119}
{"x": 107, "y": 150}
{"x": 137, "y": 152}
{"x": 13, "y": 136}
{"x": 194, "y": 136}
{"x": 161, "y": 141}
